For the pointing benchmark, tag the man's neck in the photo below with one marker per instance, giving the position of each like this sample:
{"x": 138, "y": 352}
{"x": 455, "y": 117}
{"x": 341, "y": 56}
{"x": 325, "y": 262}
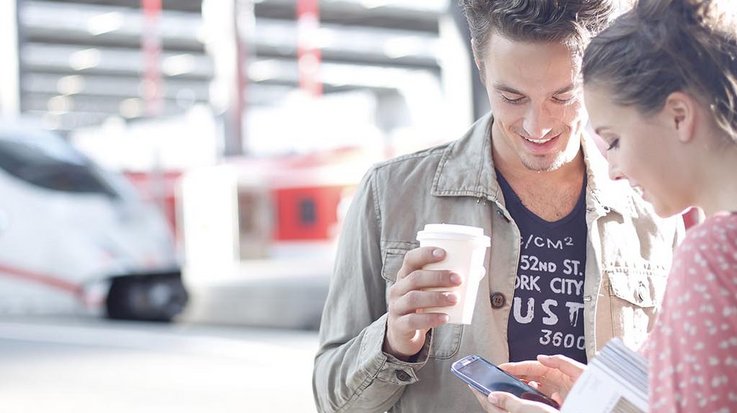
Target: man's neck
{"x": 514, "y": 171}
{"x": 551, "y": 195}
{"x": 510, "y": 165}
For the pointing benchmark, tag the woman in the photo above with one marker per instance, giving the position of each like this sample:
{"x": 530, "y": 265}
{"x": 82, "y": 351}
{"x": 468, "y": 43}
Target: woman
{"x": 660, "y": 85}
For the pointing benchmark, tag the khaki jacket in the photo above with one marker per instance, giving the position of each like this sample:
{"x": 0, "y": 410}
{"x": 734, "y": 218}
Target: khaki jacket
{"x": 628, "y": 256}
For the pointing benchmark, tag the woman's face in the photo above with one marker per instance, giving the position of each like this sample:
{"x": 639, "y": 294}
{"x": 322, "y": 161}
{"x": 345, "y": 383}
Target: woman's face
{"x": 642, "y": 149}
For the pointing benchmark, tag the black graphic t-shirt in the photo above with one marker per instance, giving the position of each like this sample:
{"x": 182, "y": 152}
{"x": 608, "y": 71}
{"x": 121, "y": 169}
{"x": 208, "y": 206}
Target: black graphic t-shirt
{"x": 547, "y": 309}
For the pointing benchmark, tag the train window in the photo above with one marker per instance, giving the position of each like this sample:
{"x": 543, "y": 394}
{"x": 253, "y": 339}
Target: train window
{"x": 31, "y": 164}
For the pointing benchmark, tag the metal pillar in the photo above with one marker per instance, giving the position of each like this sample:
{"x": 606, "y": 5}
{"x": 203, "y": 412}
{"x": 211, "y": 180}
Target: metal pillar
{"x": 308, "y": 48}
{"x": 10, "y": 83}
{"x": 151, "y": 47}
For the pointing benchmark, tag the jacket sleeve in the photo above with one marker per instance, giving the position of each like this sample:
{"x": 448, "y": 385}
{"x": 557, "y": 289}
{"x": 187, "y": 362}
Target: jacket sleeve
{"x": 351, "y": 373}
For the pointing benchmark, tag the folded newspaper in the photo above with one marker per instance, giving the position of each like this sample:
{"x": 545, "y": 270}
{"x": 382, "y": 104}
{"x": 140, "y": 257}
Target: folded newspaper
{"x": 615, "y": 381}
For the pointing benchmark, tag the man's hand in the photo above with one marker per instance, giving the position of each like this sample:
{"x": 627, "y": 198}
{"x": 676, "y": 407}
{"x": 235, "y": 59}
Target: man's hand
{"x": 553, "y": 375}
{"x": 407, "y": 324}
{"x": 501, "y": 402}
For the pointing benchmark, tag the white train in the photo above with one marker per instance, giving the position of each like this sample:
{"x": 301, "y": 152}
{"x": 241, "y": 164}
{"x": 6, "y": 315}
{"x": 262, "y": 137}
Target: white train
{"x": 75, "y": 238}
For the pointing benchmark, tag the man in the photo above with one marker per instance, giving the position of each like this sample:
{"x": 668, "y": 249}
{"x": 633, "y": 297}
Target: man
{"x": 576, "y": 258}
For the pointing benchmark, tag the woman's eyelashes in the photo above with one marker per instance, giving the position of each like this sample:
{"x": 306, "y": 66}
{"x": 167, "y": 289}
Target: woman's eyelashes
{"x": 613, "y": 144}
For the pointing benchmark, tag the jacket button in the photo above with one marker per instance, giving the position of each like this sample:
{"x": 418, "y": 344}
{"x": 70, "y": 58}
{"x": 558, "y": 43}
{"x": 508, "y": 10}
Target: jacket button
{"x": 498, "y": 300}
{"x": 402, "y": 375}
{"x": 642, "y": 292}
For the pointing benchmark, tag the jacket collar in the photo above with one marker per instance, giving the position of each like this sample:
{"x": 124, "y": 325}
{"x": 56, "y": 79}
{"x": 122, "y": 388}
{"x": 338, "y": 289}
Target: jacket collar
{"x": 466, "y": 168}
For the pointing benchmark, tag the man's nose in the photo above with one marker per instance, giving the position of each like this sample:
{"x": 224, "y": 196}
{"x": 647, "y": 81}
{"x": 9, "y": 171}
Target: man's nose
{"x": 538, "y": 122}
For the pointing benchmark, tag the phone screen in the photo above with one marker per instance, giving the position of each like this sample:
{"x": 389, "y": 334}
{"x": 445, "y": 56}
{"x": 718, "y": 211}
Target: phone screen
{"x": 486, "y": 377}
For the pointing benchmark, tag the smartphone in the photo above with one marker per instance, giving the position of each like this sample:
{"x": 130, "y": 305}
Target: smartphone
{"x": 486, "y": 378}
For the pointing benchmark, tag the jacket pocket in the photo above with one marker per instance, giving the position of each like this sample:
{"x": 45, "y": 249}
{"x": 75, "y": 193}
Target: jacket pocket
{"x": 393, "y": 258}
{"x": 446, "y": 339}
{"x": 634, "y": 297}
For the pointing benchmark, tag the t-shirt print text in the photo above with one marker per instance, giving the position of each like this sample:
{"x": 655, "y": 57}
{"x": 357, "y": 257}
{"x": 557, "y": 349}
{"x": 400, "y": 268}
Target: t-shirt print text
{"x": 549, "y": 287}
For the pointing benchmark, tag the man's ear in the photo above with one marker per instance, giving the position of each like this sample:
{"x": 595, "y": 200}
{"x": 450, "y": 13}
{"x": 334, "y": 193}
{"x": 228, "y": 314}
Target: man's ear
{"x": 680, "y": 109}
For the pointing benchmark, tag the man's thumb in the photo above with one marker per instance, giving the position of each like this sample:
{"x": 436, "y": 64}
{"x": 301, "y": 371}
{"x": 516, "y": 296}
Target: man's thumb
{"x": 505, "y": 401}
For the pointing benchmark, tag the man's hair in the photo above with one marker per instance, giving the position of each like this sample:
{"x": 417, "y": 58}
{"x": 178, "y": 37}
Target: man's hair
{"x": 664, "y": 46}
{"x": 571, "y": 22}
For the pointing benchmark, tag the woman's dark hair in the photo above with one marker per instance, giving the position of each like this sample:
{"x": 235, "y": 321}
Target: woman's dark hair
{"x": 664, "y": 46}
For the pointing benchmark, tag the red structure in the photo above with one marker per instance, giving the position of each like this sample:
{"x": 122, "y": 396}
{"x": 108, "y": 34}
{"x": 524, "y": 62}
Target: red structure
{"x": 308, "y": 48}
{"x": 304, "y": 193}
{"x": 306, "y": 213}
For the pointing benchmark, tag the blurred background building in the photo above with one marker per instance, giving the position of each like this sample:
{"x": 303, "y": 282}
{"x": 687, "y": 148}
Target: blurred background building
{"x": 247, "y": 123}
{"x": 82, "y": 62}
{"x": 190, "y": 161}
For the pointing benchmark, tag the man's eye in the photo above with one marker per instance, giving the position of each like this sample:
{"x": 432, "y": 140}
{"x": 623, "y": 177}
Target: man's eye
{"x": 512, "y": 100}
{"x": 564, "y": 98}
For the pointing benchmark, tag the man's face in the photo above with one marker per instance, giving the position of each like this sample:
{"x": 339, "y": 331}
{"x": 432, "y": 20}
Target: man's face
{"x": 535, "y": 95}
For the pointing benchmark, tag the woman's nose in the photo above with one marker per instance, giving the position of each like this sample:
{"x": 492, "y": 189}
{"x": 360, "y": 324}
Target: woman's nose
{"x": 615, "y": 173}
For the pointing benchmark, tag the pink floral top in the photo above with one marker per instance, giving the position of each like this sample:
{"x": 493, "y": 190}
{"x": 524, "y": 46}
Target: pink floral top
{"x": 693, "y": 349}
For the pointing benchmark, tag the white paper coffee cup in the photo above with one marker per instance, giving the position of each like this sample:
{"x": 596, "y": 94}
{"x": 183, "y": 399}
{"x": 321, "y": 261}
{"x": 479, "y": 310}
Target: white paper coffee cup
{"x": 465, "y": 248}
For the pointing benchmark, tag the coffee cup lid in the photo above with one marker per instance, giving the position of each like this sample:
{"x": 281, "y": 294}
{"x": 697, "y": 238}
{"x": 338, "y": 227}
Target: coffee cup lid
{"x": 452, "y": 231}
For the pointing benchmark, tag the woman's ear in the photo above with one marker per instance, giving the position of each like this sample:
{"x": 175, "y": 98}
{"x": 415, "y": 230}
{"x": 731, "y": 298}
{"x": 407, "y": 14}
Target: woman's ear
{"x": 680, "y": 109}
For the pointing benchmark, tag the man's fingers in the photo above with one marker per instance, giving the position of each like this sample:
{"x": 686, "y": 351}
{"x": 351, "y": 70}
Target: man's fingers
{"x": 419, "y": 257}
{"x": 414, "y": 300}
{"x": 505, "y": 402}
{"x": 566, "y": 365}
{"x": 508, "y": 402}
{"x": 419, "y": 321}
{"x": 544, "y": 366}
{"x": 530, "y": 370}
{"x": 484, "y": 402}
{"x": 422, "y": 279}
{"x": 425, "y": 279}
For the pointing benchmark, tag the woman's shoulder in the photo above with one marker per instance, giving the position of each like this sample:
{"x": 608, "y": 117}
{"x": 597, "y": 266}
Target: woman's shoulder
{"x": 711, "y": 245}
{"x": 721, "y": 228}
